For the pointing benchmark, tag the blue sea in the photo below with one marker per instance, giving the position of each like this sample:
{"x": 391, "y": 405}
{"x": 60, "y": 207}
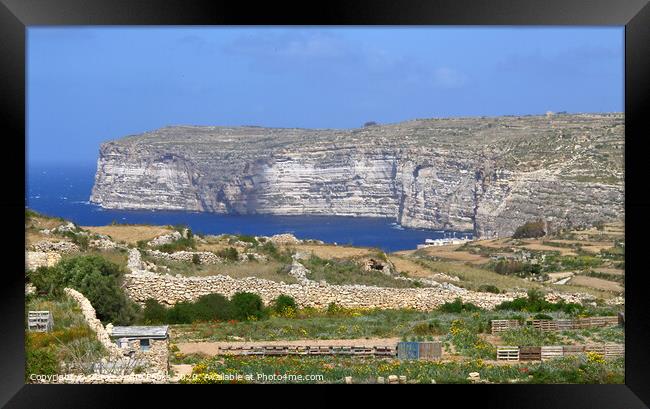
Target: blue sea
{"x": 64, "y": 191}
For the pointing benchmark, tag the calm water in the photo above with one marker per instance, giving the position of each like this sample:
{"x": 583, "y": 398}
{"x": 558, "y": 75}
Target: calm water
{"x": 64, "y": 191}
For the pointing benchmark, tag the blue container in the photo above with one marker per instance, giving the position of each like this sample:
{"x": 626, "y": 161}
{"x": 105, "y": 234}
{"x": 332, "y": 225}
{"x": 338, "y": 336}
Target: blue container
{"x": 408, "y": 350}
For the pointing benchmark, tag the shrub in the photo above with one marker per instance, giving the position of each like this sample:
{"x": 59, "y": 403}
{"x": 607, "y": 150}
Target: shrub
{"x": 230, "y": 254}
{"x": 247, "y": 306}
{"x": 458, "y": 306}
{"x": 432, "y": 327}
{"x": 178, "y": 245}
{"x": 97, "y": 279}
{"x": 489, "y": 288}
{"x": 211, "y": 307}
{"x": 516, "y": 268}
{"x": 154, "y": 312}
{"x": 272, "y": 251}
{"x": 535, "y": 302}
{"x": 530, "y": 230}
{"x": 284, "y": 304}
{"x": 542, "y": 317}
{"x": 196, "y": 259}
{"x": 247, "y": 239}
{"x": 181, "y": 313}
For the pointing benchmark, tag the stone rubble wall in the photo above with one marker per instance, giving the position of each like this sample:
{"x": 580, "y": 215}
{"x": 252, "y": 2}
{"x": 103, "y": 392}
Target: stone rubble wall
{"x": 169, "y": 290}
{"x": 205, "y": 257}
{"x": 165, "y": 239}
{"x": 91, "y": 318}
{"x": 55, "y": 246}
{"x": 36, "y": 259}
{"x": 157, "y": 357}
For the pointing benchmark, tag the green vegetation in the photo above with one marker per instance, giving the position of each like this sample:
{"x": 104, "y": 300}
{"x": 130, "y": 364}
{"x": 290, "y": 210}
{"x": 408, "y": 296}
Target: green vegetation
{"x": 489, "y": 288}
{"x": 272, "y": 251}
{"x": 210, "y": 307}
{"x": 285, "y": 305}
{"x": 575, "y": 369}
{"x": 248, "y": 306}
{"x": 463, "y": 335}
{"x": 245, "y": 238}
{"x": 71, "y": 341}
{"x": 516, "y": 268}
{"x": 530, "y": 230}
{"x": 182, "y": 244}
{"x": 96, "y": 278}
{"x": 458, "y": 306}
{"x": 229, "y": 254}
{"x": 535, "y": 302}
{"x": 529, "y": 336}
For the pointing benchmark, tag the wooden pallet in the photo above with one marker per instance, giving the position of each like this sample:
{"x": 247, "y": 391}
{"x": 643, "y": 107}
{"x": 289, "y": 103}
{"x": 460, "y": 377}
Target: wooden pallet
{"x": 507, "y": 353}
{"x": 563, "y": 325}
{"x": 604, "y": 321}
{"x": 530, "y": 353}
{"x": 503, "y": 325}
{"x": 545, "y": 325}
{"x": 573, "y": 349}
{"x": 599, "y": 349}
{"x": 614, "y": 350}
{"x": 430, "y": 350}
{"x": 551, "y": 352}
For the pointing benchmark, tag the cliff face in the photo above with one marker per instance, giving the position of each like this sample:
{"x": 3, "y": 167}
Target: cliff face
{"x": 487, "y": 175}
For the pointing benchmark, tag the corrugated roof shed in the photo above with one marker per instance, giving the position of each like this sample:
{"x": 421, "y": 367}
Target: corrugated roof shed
{"x": 159, "y": 331}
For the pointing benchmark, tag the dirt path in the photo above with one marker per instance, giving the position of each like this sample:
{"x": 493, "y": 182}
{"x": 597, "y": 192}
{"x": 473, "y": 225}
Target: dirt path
{"x": 212, "y": 348}
{"x": 180, "y": 371}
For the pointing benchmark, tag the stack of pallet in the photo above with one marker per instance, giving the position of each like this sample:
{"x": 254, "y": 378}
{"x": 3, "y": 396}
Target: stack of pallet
{"x": 546, "y": 352}
{"x": 271, "y": 350}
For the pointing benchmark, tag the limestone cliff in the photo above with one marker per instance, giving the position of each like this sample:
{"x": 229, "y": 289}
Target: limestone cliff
{"x": 486, "y": 175}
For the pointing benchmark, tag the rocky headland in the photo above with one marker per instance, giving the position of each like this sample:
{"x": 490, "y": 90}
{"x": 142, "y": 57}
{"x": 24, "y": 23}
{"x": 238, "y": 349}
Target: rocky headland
{"x": 485, "y": 175}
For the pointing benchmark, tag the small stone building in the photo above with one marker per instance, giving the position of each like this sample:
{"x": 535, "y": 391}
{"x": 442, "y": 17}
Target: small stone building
{"x": 141, "y": 336}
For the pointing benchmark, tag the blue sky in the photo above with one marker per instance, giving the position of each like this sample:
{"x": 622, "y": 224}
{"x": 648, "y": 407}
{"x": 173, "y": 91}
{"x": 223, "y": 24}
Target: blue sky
{"x": 86, "y": 85}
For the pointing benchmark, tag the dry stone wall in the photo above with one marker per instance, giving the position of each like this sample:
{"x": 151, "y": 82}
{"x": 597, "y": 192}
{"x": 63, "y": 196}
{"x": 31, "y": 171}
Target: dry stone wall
{"x": 169, "y": 290}
{"x": 91, "y": 318}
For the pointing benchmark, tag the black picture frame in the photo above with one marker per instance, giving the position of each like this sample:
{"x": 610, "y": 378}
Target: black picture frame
{"x": 16, "y": 15}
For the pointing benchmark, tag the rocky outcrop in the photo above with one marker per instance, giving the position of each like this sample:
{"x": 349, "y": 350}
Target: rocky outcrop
{"x": 486, "y": 175}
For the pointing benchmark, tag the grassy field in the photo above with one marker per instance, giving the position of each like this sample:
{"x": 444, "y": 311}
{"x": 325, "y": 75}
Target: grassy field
{"x": 130, "y": 234}
{"x": 271, "y": 270}
{"x": 350, "y": 272}
{"x": 350, "y": 324}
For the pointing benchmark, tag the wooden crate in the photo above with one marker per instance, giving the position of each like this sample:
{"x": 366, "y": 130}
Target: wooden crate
{"x": 545, "y": 325}
{"x": 550, "y": 352}
{"x": 503, "y": 325}
{"x": 507, "y": 353}
{"x": 530, "y": 353}
{"x": 430, "y": 350}
{"x": 573, "y": 349}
